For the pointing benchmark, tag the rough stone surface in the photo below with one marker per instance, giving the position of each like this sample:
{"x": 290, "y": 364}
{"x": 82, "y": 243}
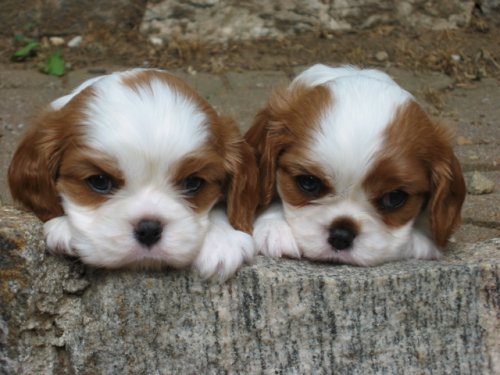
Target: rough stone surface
{"x": 223, "y": 20}
{"x": 478, "y": 184}
{"x": 284, "y": 316}
{"x": 489, "y": 7}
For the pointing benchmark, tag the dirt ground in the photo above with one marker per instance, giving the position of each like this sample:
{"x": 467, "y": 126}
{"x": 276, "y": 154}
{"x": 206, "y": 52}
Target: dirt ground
{"x": 465, "y": 55}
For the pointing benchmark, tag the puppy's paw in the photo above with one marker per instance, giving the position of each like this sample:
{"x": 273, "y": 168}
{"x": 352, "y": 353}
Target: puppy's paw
{"x": 274, "y": 238}
{"x": 58, "y": 236}
{"x": 421, "y": 247}
{"x": 224, "y": 250}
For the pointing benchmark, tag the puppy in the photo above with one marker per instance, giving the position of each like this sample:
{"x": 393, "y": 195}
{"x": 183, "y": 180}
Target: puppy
{"x": 127, "y": 171}
{"x": 353, "y": 171}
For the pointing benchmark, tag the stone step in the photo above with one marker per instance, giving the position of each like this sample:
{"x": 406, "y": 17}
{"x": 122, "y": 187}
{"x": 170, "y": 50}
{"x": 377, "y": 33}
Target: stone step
{"x": 274, "y": 317}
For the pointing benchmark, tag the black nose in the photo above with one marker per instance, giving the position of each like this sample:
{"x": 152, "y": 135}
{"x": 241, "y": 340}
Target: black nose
{"x": 148, "y": 232}
{"x": 341, "y": 238}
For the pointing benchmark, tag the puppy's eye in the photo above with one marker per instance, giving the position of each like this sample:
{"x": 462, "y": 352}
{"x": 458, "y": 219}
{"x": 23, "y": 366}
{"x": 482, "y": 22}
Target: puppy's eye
{"x": 101, "y": 183}
{"x": 193, "y": 185}
{"x": 309, "y": 184}
{"x": 393, "y": 200}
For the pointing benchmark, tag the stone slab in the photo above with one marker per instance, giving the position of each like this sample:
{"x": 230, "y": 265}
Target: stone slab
{"x": 275, "y": 316}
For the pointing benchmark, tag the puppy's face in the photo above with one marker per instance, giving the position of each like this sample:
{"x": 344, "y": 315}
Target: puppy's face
{"x": 133, "y": 162}
{"x": 363, "y": 174}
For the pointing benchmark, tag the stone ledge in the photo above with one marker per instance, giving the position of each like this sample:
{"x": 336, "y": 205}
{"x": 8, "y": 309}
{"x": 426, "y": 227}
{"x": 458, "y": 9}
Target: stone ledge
{"x": 223, "y": 20}
{"x": 275, "y": 316}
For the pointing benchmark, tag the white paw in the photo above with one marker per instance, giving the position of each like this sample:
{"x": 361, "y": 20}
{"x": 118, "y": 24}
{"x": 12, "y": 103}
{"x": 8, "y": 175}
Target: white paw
{"x": 274, "y": 238}
{"x": 422, "y": 247}
{"x": 58, "y": 236}
{"x": 223, "y": 252}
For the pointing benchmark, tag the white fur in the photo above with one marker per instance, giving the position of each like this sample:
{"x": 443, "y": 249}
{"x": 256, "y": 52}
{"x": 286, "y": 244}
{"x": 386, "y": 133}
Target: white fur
{"x": 350, "y": 131}
{"x": 375, "y": 244}
{"x": 349, "y": 136}
{"x": 273, "y": 235}
{"x": 104, "y": 236}
{"x": 146, "y": 131}
{"x": 157, "y": 126}
{"x": 320, "y": 74}
{"x": 224, "y": 249}
{"x": 58, "y": 235}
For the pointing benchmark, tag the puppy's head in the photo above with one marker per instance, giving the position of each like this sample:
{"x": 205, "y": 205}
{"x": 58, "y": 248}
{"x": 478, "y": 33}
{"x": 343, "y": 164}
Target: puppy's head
{"x": 135, "y": 161}
{"x": 364, "y": 175}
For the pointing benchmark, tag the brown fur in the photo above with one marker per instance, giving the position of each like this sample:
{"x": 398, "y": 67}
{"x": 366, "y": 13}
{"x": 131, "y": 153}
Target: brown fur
{"x": 417, "y": 157}
{"x": 78, "y": 164}
{"x": 287, "y": 120}
{"x": 52, "y": 157}
{"x": 34, "y": 169}
{"x": 292, "y": 164}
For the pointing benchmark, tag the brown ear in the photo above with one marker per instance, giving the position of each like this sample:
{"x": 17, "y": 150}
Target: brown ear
{"x": 286, "y": 120}
{"x": 263, "y": 137}
{"x": 241, "y": 193}
{"x": 447, "y": 196}
{"x": 33, "y": 170}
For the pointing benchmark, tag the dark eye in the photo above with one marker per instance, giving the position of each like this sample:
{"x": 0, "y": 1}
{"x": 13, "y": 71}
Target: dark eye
{"x": 393, "y": 200}
{"x": 101, "y": 183}
{"x": 193, "y": 185}
{"x": 309, "y": 184}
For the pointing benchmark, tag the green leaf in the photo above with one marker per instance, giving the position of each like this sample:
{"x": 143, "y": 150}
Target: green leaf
{"x": 24, "y": 52}
{"x": 55, "y": 65}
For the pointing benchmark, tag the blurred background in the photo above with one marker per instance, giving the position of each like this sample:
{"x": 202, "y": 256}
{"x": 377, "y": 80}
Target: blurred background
{"x": 457, "y": 37}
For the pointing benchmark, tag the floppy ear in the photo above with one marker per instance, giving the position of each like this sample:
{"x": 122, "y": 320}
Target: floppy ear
{"x": 283, "y": 122}
{"x": 241, "y": 193}
{"x": 447, "y": 196}
{"x": 33, "y": 170}
{"x": 264, "y": 137}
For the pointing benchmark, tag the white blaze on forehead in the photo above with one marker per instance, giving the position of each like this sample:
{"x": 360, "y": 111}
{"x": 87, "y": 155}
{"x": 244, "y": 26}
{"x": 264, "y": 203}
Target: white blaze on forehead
{"x": 147, "y": 129}
{"x": 350, "y": 131}
{"x": 319, "y": 74}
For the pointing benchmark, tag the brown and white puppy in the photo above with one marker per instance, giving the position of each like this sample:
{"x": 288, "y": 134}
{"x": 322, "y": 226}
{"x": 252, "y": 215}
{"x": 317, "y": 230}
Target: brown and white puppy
{"x": 358, "y": 173}
{"x": 128, "y": 169}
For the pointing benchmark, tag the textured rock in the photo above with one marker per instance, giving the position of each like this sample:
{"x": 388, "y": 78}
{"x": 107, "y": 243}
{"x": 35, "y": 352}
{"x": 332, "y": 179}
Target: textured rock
{"x": 276, "y": 316}
{"x": 489, "y": 7}
{"x": 223, "y": 20}
{"x": 478, "y": 184}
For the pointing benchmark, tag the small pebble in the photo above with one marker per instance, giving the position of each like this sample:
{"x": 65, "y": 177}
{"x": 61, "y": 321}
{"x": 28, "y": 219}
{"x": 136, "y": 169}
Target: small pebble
{"x": 156, "y": 41}
{"x": 75, "y": 42}
{"x": 478, "y": 184}
{"x": 461, "y": 140}
{"x": 56, "y": 41}
{"x": 381, "y": 56}
{"x": 456, "y": 58}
